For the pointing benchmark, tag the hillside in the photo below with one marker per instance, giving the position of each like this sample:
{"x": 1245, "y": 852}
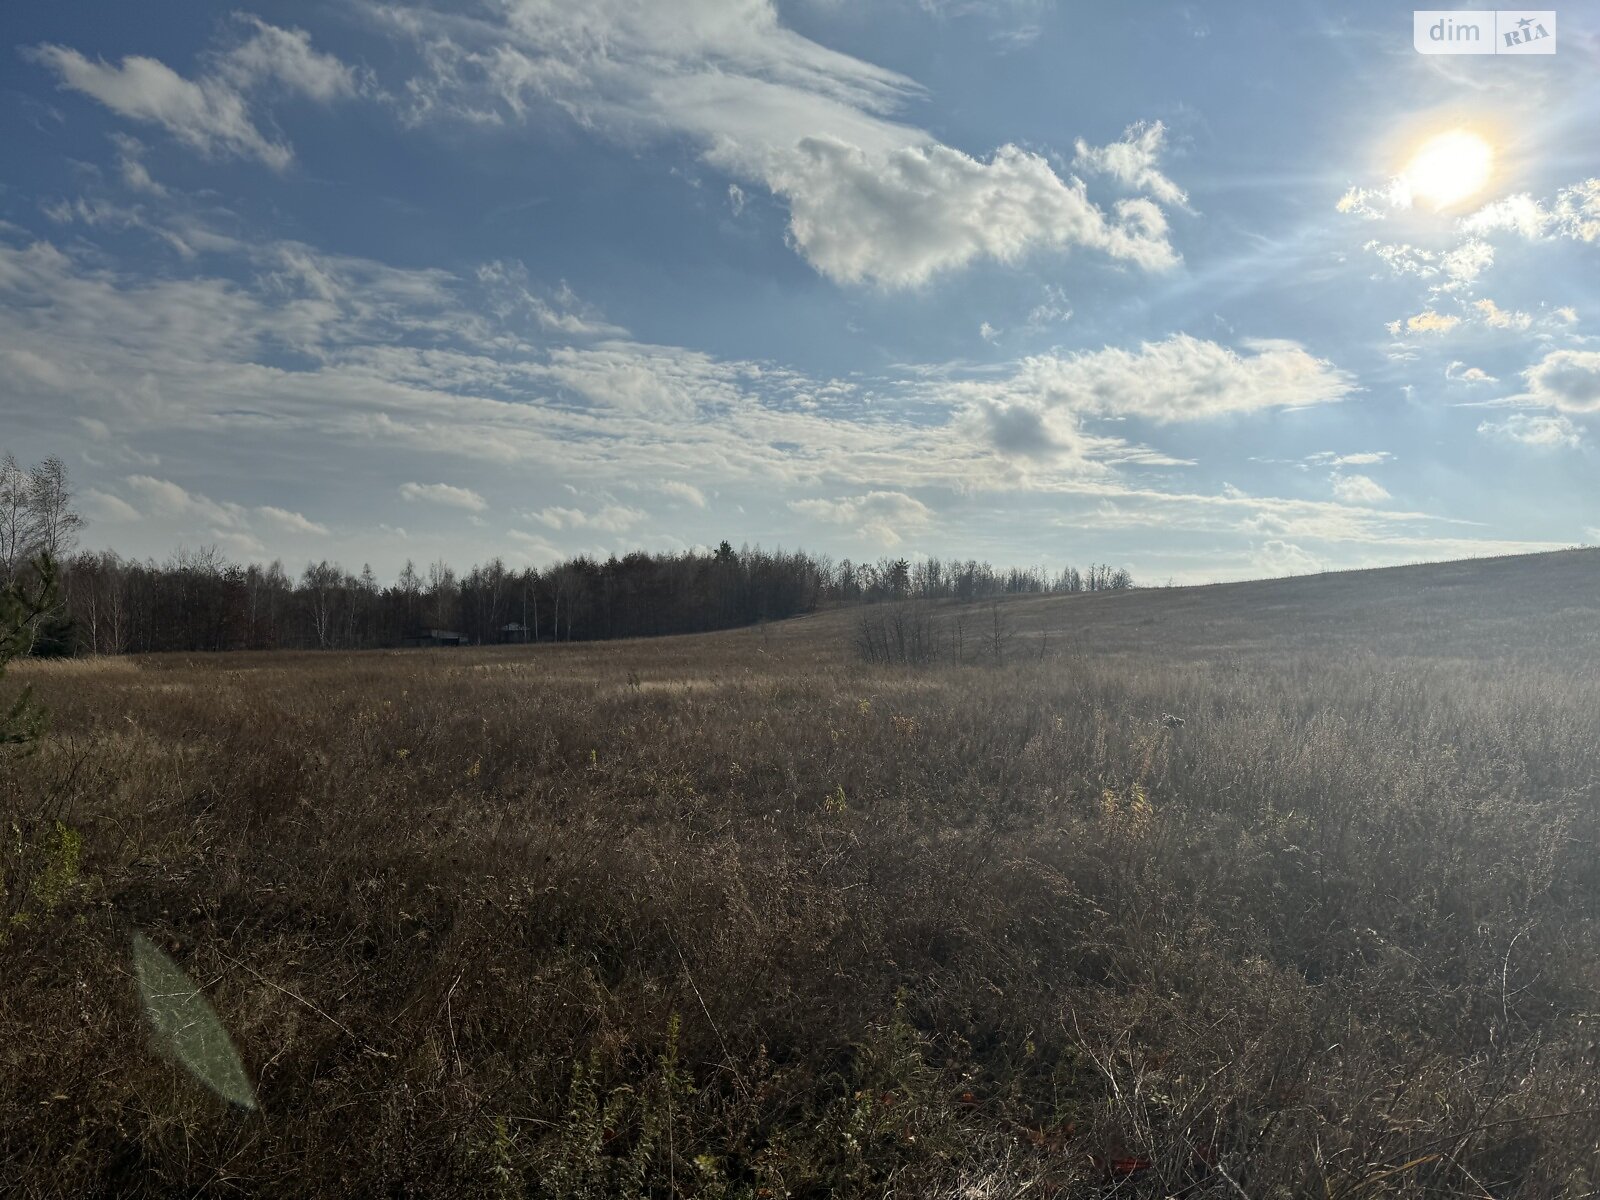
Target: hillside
{"x": 737, "y": 915}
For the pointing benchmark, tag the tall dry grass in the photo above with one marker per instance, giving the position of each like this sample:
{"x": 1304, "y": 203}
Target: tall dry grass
{"x": 737, "y": 916}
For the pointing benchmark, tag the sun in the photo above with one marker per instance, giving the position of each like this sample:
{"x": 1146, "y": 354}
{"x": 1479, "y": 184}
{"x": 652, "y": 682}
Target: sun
{"x": 1450, "y": 168}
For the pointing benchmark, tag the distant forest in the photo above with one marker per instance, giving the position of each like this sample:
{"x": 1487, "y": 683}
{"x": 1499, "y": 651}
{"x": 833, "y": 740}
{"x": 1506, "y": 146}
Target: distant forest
{"x": 199, "y": 600}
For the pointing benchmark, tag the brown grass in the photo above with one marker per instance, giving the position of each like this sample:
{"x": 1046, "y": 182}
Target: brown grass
{"x": 736, "y": 916}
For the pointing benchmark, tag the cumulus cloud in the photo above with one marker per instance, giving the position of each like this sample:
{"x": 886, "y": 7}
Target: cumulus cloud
{"x": 1036, "y": 412}
{"x": 1567, "y": 380}
{"x": 1276, "y": 557}
{"x": 1359, "y": 489}
{"x": 1427, "y": 321}
{"x": 885, "y": 518}
{"x": 871, "y": 199}
{"x": 212, "y": 112}
{"x": 1134, "y": 162}
{"x": 445, "y": 494}
{"x": 1535, "y": 429}
{"x": 898, "y": 218}
{"x": 1574, "y": 213}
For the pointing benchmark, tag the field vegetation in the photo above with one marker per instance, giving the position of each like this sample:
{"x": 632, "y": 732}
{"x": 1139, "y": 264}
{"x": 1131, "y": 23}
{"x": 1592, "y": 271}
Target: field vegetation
{"x": 748, "y": 915}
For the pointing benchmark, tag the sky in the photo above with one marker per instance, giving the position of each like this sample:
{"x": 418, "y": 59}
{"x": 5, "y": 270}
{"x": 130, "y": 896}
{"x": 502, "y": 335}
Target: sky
{"x": 1192, "y": 289}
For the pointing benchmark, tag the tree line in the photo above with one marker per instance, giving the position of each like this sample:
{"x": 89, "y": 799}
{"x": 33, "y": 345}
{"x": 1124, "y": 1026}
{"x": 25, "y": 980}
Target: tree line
{"x": 201, "y": 600}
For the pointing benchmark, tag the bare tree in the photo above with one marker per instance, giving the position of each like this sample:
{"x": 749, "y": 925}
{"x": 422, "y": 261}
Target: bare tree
{"x": 17, "y": 532}
{"x": 55, "y": 524}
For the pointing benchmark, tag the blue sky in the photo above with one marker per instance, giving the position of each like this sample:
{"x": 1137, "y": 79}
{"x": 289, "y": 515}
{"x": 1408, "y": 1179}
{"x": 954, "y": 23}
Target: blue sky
{"x": 1161, "y": 285}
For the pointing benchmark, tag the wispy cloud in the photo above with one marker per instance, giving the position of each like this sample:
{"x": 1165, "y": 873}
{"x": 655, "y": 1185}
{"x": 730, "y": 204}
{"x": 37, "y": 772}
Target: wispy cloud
{"x": 211, "y": 112}
{"x": 612, "y": 518}
{"x": 444, "y": 494}
{"x": 1534, "y": 429}
{"x": 292, "y": 522}
{"x": 871, "y": 199}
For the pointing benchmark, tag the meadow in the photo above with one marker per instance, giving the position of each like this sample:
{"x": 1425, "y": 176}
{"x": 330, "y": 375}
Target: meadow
{"x": 741, "y": 915}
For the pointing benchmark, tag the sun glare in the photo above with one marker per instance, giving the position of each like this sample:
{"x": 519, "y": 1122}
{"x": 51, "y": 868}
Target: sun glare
{"x": 1450, "y": 168}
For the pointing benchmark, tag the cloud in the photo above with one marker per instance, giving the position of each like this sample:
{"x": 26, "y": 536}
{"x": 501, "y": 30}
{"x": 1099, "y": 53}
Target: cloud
{"x": 166, "y": 498}
{"x": 1180, "y": 379}
{"x": 1498, "y": 318}
{"x": 1462, "y": 265}
{"x": 1427, "y": 321}
{"x": 291, "y": 522}
{"x": 285, "y": 57}
{"x": 1364, "y": 458}
{"x": 900, "y": 217}
{"x": 1532, "y": 429}
{"x": 1577, "y": 210}
{"x": 1520, "y": 213}
{"x": 445, "y": 494}
{"x": 135, "y": 176}
{"x": 104, "y": 507}
{"x": 509, "y": 290}
{"x": 1374, "y": 204}
{"x": 1277, "y": 557}
{"x": 1359, "y": 489}
{"x": 1567, "y": 380}
{"x": 613, "y": 518}
{"x": 210, "y": 113}
{"x": 207, "y": 115}
{"x": 533, "y": 546}
{"x": 629, "y": 377}
{"x": 881, "y": 517}
{"x": 1461, "y": 373}
{"x": 1574, "y": 213}
{"x": 1133, "y": 162}
{"x": 1052, "y": 310}
{"x": 686, "y": 492}
{"x": 871, "y": 199}
{"x": 235, "y": 541}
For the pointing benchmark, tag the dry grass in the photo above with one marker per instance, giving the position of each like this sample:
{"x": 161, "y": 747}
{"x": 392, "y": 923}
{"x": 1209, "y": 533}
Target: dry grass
{"x": 736, "y": 916}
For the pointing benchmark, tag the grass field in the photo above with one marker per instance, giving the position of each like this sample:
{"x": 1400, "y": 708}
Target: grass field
{"x": 739, "y": 916}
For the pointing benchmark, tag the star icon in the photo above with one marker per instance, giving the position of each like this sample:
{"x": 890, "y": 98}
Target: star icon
{"x": 1525, "y": 22}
